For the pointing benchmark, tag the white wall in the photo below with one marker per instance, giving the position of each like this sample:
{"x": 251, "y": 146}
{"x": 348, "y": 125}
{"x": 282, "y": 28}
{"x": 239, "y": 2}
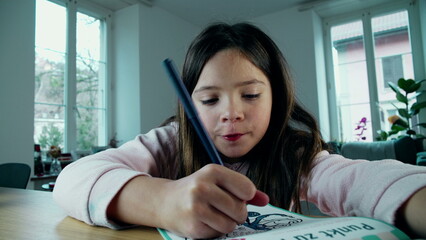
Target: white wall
{"x": 125, "y": 62}
{"x": 163, "y": 35}
{"x": 17, "y": 34}
{"x": 294, "y": 33}
{"x": 143, "y": 37}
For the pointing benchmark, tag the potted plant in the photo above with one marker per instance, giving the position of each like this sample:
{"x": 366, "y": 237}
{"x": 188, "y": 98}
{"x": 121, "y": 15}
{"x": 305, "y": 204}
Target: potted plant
{"x": 406, "y": 90}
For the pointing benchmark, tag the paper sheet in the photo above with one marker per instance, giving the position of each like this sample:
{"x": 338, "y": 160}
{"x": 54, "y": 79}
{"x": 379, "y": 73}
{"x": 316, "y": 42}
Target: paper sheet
{"x": 272, "y": 223}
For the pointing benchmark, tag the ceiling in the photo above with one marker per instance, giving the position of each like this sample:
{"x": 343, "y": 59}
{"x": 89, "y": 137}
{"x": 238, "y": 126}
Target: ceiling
{"x": 201, "y": 12}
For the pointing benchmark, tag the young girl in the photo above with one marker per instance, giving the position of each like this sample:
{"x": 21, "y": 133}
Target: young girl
{"x": 241, "y": 86}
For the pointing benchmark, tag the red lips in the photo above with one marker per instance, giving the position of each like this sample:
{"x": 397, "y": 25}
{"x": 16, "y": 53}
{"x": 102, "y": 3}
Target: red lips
{"x": 233, "y": 137}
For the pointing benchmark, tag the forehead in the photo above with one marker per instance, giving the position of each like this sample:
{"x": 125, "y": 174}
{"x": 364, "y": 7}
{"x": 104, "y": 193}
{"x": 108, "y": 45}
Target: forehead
{"x": 228, "y": 66}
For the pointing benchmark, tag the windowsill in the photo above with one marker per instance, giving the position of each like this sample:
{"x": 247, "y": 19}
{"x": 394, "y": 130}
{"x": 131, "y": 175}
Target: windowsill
{"x": 45, "y": 176}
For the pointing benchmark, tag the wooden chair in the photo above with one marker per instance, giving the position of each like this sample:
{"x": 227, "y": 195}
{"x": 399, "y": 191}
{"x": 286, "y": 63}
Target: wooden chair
{"x": 14, "y": 175}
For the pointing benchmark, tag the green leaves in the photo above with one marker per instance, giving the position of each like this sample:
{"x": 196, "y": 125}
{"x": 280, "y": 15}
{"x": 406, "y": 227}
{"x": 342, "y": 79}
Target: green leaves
{"x": 403, "y": 89}
{"x": 418, "y": 105}
{"x": 403, "y": 113}
{"x": 51, "y": 136}
{"x": 421, "y": 125}
{"x": 409, "y": 85}
{"x": 399, "y": 96}
{"x": 406, "y": 85}
{"x": 383, "y": 136}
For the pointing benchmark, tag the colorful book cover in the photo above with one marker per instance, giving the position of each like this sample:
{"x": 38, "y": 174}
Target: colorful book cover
{"x": 274, "y": 223}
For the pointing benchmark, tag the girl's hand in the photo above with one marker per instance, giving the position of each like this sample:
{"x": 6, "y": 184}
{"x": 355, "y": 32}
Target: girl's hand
{"x": 208, "y": 203}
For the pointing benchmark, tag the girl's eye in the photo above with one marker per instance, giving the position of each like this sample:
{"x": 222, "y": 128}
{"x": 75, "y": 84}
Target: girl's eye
{"x": 209, "y": 101}
{"x": 251, "y": 96}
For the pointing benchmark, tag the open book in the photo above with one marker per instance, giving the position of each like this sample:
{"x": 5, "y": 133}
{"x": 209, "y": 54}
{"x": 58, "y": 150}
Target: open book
{"x": 273, "y": 223}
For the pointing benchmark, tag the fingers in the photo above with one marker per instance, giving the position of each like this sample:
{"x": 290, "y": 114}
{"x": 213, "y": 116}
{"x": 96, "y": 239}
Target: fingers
{"x": 216, "y": 198}
{"x": 219, "y": 221}
{"x": 232, "y": 191}
{"x": 259, "y": 199}
{"x": 235, "y": 183}
{"x": 212, "y": 201}
{"x": 229, "y": 205}
{"x": 209, "y": 212}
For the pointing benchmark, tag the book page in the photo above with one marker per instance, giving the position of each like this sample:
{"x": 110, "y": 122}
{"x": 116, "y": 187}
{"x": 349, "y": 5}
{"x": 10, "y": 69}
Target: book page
{"x": 274, "y": 223}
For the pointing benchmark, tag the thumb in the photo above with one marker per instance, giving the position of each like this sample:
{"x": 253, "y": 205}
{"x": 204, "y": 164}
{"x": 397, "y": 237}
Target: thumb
{"x": 260, "y": 199}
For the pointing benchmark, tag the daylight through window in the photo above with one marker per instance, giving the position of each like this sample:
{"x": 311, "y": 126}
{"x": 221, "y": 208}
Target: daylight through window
{"x": 361, "y": 91}
{"x": 62, "y": 88}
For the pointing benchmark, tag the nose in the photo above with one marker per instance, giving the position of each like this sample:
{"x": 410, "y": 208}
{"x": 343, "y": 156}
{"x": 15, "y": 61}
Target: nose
{"x": 232, "y": 112}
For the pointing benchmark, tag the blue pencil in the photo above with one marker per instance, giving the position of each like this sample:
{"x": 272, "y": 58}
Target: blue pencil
{"x": 191, "y": 112}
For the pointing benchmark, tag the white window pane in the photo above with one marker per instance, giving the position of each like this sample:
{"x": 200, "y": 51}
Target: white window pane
{"x": 50, "y": 26}
{"x": 90, "y": 68}
{"x": 50, "y": 69}
{"x": 88, "y": 83}
{"x": 392, "y": 50}
{"x": 88, "y": 37}
{"x": 350, "y": 74}
{"x": 49, "y": 76}
{"x": 90, "y": 126}
{"x": 49, "y": 125}
{"x": 50, "y": 42}
{"x": 90, "y": 99}
{"x": 352, "y": 117}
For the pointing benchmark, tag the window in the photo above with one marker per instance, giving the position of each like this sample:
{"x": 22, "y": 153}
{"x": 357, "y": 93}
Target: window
{"x": 70, "y": 93}
{"x": 351, "y": 81}
{"x": 365, "y": 52}
{"x": 90, "y": 94}
{"x": 392, "y": 69}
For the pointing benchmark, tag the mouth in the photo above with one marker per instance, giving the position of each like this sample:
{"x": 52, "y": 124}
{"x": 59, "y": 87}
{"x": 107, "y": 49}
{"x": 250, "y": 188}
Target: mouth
{"x": 233, "y": 137}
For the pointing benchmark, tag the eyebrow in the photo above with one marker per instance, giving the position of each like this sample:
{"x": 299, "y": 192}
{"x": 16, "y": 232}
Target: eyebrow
{"x": 245, "y": 83}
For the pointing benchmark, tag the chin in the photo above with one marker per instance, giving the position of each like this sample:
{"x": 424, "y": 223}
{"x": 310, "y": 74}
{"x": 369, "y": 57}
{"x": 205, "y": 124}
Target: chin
{"x": 234, "y": 154}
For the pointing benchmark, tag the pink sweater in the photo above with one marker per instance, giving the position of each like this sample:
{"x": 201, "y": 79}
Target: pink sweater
{"x": 339, "y": 186}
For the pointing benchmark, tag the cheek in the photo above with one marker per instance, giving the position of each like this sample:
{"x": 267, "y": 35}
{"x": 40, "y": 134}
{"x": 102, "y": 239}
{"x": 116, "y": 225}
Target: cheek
{"x": 263, "y": 118}
{"x": 207, "y": 118}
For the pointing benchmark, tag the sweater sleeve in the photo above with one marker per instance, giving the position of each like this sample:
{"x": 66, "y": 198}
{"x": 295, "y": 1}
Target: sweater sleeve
{"x": 376, "y": 189}
{"x": 87, "y": 186}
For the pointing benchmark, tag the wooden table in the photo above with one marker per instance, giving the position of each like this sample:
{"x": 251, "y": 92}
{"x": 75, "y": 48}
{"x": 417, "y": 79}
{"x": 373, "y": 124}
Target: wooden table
{"x": 31, "y": 214}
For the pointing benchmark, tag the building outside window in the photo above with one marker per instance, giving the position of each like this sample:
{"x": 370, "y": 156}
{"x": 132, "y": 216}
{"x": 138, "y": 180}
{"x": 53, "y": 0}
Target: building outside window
{"x": 392, "y": 68}
{"x": 366, "y": 52}
{"x": 70, "y": 77}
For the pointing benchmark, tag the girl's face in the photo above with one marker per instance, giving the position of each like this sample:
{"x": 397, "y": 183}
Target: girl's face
{"x": 234, "y": 101}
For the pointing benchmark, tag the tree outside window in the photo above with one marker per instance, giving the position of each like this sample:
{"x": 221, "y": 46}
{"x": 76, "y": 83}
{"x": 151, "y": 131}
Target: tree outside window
{"x": 52, "y": 89}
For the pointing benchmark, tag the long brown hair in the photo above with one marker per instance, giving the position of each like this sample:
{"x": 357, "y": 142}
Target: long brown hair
{"x": 286, "y": 152}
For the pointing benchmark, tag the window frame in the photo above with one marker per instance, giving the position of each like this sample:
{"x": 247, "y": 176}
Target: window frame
{"x": 365, "y": 15}
{"x": 70, "y": 76}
